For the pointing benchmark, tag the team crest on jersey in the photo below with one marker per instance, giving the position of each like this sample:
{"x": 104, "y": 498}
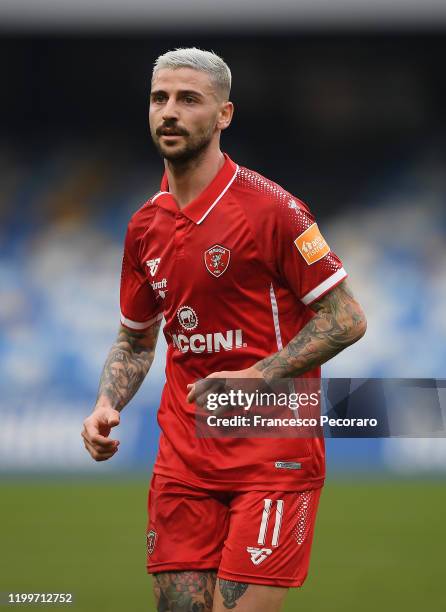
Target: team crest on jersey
{"x": 153, "y": 265}
{"x": 151, "y": 541}
{"x": 187, "y": 317}
{"x": 217, "y": 259}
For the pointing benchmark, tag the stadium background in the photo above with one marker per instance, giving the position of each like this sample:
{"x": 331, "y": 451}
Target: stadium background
{"x": 345, "y": 110}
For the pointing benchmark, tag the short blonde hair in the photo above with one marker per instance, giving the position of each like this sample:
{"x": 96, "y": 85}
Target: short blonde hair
{"x": 205, "y": 61}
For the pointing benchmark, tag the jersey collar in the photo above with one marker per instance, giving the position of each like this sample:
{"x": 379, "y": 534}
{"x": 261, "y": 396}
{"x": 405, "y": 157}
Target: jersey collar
{"x": 198, "y": 209}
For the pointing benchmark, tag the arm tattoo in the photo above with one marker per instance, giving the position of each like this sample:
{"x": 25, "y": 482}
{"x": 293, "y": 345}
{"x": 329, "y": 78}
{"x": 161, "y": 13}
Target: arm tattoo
{"x": 231, "y": 591}
{"x": 127, "y": 364}
{"x": 339, "y": 322}
{"x": 191, "y": 591}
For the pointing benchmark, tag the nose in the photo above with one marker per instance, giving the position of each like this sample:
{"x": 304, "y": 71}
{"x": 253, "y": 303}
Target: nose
{"x": 170, "y": 110}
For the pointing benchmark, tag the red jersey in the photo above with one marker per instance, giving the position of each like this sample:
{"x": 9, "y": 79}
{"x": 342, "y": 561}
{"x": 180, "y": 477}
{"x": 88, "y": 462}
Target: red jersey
{"x": 233, "y": 274}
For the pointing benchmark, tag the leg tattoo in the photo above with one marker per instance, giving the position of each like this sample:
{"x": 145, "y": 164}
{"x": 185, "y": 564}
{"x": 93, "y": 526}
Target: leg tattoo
{"x": 231, "y": 591}
{"x": 184, "y": 591}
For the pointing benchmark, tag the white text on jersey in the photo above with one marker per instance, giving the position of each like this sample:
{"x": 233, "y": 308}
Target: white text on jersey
{"x": 210, "y": 343}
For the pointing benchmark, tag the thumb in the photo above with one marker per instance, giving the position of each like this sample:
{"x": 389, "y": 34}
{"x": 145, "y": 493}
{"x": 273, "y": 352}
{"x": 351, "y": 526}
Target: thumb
{"x": 113, "y": 418}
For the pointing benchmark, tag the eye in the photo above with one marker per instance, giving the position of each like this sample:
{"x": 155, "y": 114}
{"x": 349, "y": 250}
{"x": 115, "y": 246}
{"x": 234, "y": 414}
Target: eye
{"x": 158, "y": 97}
{"x": 189, "y": 99}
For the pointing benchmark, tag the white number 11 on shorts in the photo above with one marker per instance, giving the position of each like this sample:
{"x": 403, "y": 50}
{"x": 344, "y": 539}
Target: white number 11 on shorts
{"x": 268, "y": 503}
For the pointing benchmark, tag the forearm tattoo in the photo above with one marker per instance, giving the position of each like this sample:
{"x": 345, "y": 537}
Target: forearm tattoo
{"x": 127, "y": 364}
{"x": 231, "y": 591}
{"x": 191, "y": 591}
{"x": 339, "y": 322}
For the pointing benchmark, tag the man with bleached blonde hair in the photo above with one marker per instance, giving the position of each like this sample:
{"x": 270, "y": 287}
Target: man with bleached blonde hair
{"x": 249, "y": 289}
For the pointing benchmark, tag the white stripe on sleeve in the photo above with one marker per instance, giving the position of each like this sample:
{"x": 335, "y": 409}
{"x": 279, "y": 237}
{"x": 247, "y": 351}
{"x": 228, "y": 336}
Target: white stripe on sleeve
{"x": 135, "y": 325}
{"x": 325, "y": 286}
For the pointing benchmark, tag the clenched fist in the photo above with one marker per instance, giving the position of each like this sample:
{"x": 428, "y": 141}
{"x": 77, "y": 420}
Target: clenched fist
{"x": 96, "y": 430}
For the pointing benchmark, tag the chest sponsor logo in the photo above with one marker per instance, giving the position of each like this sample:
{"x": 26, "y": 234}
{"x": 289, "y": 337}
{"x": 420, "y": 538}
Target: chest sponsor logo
{"x": 311, "y": 245}
{"x": 258, "y": 554}
{"x": 209, "y": 343}
{"x": 153, "y": 265}
{"x": 216, "y": 259}
{"x": 187, "y": 317}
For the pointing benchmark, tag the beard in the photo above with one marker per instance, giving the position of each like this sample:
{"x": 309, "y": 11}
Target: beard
{"x": 192, "y": 148}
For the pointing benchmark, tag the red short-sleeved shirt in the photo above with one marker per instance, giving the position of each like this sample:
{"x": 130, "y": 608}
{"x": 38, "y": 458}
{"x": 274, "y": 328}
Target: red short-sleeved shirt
{"x": 233, "y": 273}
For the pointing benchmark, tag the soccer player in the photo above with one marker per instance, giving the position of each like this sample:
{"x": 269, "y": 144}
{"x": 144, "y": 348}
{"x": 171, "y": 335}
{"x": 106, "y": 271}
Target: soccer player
{"x": 248, "y": 288}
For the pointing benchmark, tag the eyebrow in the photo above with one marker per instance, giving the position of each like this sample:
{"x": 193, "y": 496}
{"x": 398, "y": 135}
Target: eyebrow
{"x": 182, "y": 92}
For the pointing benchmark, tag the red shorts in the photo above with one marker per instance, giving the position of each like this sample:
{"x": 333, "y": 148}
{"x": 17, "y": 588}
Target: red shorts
{"x": 259, "y": 537}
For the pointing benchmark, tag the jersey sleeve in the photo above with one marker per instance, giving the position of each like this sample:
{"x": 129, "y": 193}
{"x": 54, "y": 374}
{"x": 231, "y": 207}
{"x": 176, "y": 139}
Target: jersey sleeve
{"x": 139, "y": 308}
{"x": 303, "y": 258}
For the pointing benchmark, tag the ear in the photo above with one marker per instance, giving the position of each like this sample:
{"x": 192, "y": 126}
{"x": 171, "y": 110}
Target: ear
{"x": 225, "y": 115}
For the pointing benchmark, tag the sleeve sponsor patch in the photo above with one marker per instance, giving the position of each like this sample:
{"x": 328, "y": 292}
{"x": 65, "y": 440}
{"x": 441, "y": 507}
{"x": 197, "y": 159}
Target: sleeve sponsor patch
{"x": 311, "y": 245}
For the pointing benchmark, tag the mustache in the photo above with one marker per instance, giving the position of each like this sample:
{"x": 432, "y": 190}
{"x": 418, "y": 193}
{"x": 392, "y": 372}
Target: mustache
{"x": 171, "y": 130}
